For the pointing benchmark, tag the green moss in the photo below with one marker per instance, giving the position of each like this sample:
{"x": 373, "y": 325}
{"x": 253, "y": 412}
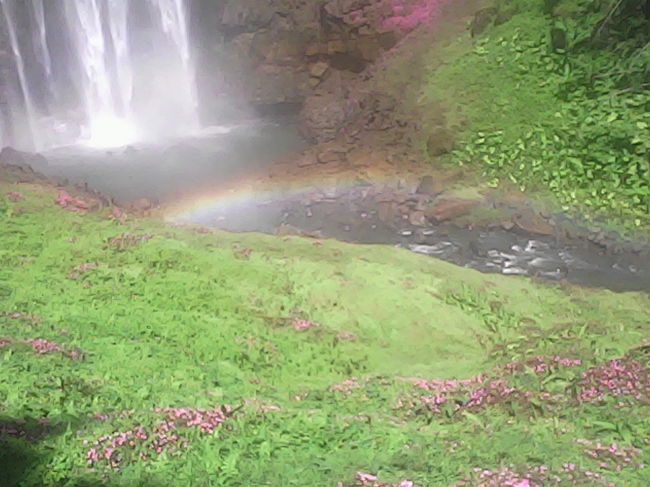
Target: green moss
{"x": 186, "y": 319}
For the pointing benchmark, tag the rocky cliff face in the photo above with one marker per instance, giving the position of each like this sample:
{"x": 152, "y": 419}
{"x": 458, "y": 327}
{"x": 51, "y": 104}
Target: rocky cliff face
{"x": 311, "y": 57}
{"x": 302, "y": 55}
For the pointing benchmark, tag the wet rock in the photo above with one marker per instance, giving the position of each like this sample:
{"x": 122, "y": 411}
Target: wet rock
{"x": 385, "y": 197}
{"x": 408, "y": 198}
{"x": 289, "y": 230}
{"x": 330, "y": 192}
{"x": 533, "y": 223}
{"x": 418, "y": 218}
{"x": 404, "y": 210}
{"x": 331, "y": 155}
{"x": 446, "y": 209}
{"x": 386, "y": 212}
{"x": 430, "y": 186}
{"x": 318, "y": 69}
{"x": 409, "y": 184}
{"x": 25, "y": 160}
{"x": 507, "y": 225}
{"x": 421, "y": 205}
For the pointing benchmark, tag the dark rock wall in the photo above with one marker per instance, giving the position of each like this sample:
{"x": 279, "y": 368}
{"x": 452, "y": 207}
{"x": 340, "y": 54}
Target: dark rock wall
{"x": 275, "y": 55}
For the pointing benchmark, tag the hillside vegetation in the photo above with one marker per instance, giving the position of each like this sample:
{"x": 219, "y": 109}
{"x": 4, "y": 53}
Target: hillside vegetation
{"x": 135, "y": 352}
{"x": 554, "y": 96}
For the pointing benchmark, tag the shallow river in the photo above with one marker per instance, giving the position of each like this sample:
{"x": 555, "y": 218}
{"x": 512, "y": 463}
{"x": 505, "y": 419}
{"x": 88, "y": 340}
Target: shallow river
{"x": 179, "y": 168}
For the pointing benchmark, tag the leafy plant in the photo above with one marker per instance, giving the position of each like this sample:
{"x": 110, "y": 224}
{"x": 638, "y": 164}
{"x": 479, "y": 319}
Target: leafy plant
{"x": 573, "y": 120}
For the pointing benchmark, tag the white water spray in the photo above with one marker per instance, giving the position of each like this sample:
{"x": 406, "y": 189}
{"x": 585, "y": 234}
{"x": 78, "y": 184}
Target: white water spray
{"x": 29, "y": 109}
{"x": 125, "y": 71}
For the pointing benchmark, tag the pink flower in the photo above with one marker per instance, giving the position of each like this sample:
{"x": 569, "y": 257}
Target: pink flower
{"x": 67, "y": 202}
{"x": 41, "y": 346}
{"x": 301, "y": 325}
{"x": 366, "y": 477}
{"x": 408, "y": 17}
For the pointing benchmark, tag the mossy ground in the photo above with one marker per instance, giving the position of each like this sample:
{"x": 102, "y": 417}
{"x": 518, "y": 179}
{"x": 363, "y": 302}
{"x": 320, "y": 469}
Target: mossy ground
{"x": 148, "y": 315}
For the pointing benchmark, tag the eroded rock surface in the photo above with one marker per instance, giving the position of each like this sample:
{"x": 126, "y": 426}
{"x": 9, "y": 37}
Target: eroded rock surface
{"x": 276, "y": 54}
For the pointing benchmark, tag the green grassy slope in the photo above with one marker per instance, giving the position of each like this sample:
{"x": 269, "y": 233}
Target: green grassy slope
{"x": 139, "y": 316}
{"x": 569, "y": 119}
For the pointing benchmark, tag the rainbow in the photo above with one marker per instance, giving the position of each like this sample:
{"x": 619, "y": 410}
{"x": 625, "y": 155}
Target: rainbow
{"x": 250, "y": 192}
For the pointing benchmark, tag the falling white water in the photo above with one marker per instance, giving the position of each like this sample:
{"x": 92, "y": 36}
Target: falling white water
{"x": 29, "y": 110}
{"x": 39, "y": 16}
{"x": 106, "y": 72}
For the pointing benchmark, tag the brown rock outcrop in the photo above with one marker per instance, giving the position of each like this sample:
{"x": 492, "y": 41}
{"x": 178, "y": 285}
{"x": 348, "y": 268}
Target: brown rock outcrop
{"x": 449, "y": 208}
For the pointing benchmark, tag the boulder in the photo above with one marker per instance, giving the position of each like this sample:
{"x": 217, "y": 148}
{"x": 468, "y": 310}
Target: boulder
{"x": 430, "y": 186}
{"x": 507, "y": 224}
{"x": 531, "y": 222}
{"x": 24, "y": 160}
{"x": 318, "y": 69}
{"x": 448, "y": 208}
{"x": 418, "y": 218}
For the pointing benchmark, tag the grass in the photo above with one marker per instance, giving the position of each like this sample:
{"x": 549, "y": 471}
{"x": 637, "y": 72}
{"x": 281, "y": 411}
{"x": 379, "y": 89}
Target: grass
{"x": 152, "y": 329}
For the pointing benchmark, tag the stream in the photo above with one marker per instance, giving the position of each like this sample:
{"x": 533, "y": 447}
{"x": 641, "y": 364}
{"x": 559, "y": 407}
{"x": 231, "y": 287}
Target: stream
{"x": 178, "y": 168}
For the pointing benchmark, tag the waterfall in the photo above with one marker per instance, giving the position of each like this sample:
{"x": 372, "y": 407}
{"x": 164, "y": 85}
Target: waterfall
{"x": 39, "y": 15}
{"x": 29, "y": 111}
{"x": 101, "y": 72}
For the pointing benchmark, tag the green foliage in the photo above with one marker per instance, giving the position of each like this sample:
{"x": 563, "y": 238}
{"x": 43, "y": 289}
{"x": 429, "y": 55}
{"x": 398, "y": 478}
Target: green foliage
{"x": 180, "y": 320}
{"x": 573, "y": 119}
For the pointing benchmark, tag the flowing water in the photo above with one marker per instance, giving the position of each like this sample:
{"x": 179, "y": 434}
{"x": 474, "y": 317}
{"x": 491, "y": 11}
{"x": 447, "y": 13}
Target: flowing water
{"x": 192, "y": 169}
{"x": 351, "y": 215}
{"x": 105, "y": 72}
